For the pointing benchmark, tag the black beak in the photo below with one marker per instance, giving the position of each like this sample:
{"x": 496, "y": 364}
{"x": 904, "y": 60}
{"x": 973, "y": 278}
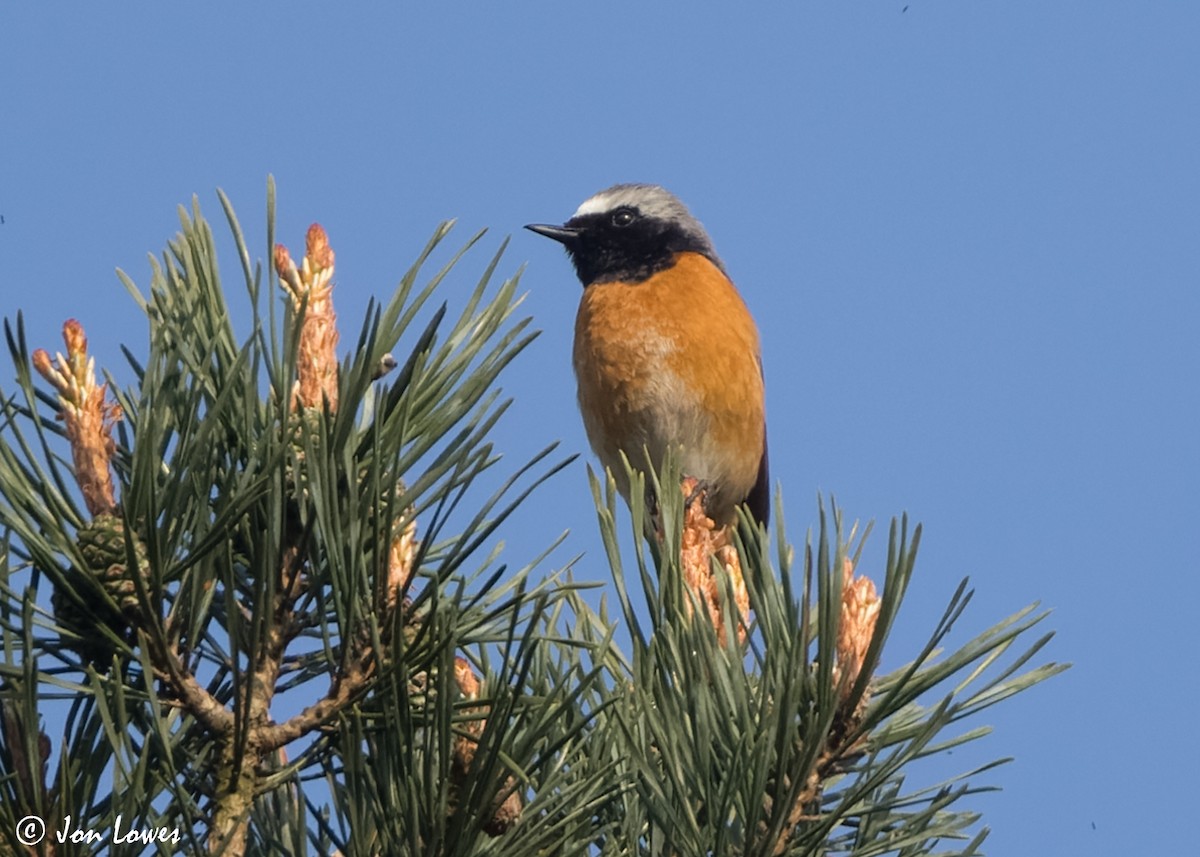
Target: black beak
{"x": 565, "y": 235}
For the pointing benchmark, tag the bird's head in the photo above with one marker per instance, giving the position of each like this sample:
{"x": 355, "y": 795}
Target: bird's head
{"x": 628, "y": 233}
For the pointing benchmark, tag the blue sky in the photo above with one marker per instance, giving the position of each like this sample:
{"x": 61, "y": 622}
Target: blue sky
{"x": 970, "y": 232}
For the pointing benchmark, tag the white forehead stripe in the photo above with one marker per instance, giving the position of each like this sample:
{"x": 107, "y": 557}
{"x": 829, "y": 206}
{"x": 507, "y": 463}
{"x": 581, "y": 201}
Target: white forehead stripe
{"x": 595, "y": 205}
{"x": 650, "y": 200}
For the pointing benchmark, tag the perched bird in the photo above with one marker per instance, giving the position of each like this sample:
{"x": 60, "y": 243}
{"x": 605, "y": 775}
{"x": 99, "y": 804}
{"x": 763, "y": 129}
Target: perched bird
{"x": 666, "y": 352}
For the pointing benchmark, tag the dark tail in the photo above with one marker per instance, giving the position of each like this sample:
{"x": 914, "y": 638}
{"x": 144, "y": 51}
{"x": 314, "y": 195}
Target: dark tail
{"x": 758, "y": 501}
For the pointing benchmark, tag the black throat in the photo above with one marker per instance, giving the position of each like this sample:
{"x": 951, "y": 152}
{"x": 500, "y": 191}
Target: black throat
{"x": 604, "y": 253}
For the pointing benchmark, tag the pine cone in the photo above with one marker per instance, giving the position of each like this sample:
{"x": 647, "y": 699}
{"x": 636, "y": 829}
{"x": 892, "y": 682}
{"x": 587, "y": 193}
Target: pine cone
{"x": 102, "y": 543}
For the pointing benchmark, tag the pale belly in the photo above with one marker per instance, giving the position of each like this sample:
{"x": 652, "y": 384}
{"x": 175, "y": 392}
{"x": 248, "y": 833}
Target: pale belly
{"x": 644, "y": 407}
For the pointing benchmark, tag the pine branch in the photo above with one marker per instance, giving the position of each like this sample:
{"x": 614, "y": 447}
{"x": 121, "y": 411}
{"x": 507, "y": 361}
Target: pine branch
{"x": 235, "y": 529}
{"x": 780, "y": 744}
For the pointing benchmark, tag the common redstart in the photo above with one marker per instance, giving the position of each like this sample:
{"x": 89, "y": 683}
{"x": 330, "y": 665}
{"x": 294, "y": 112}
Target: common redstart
{"x": 666, "y": 352}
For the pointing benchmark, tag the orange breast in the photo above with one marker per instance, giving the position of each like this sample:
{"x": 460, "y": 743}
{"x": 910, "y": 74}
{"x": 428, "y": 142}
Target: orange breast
{"x": 673, "y": 359}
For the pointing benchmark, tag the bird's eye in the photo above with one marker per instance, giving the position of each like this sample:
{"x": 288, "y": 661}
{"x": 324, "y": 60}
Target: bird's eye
{"x": 623, "y": 217}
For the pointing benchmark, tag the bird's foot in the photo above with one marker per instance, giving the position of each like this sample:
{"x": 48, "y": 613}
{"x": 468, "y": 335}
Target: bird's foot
{"x": 697, "y": 490}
